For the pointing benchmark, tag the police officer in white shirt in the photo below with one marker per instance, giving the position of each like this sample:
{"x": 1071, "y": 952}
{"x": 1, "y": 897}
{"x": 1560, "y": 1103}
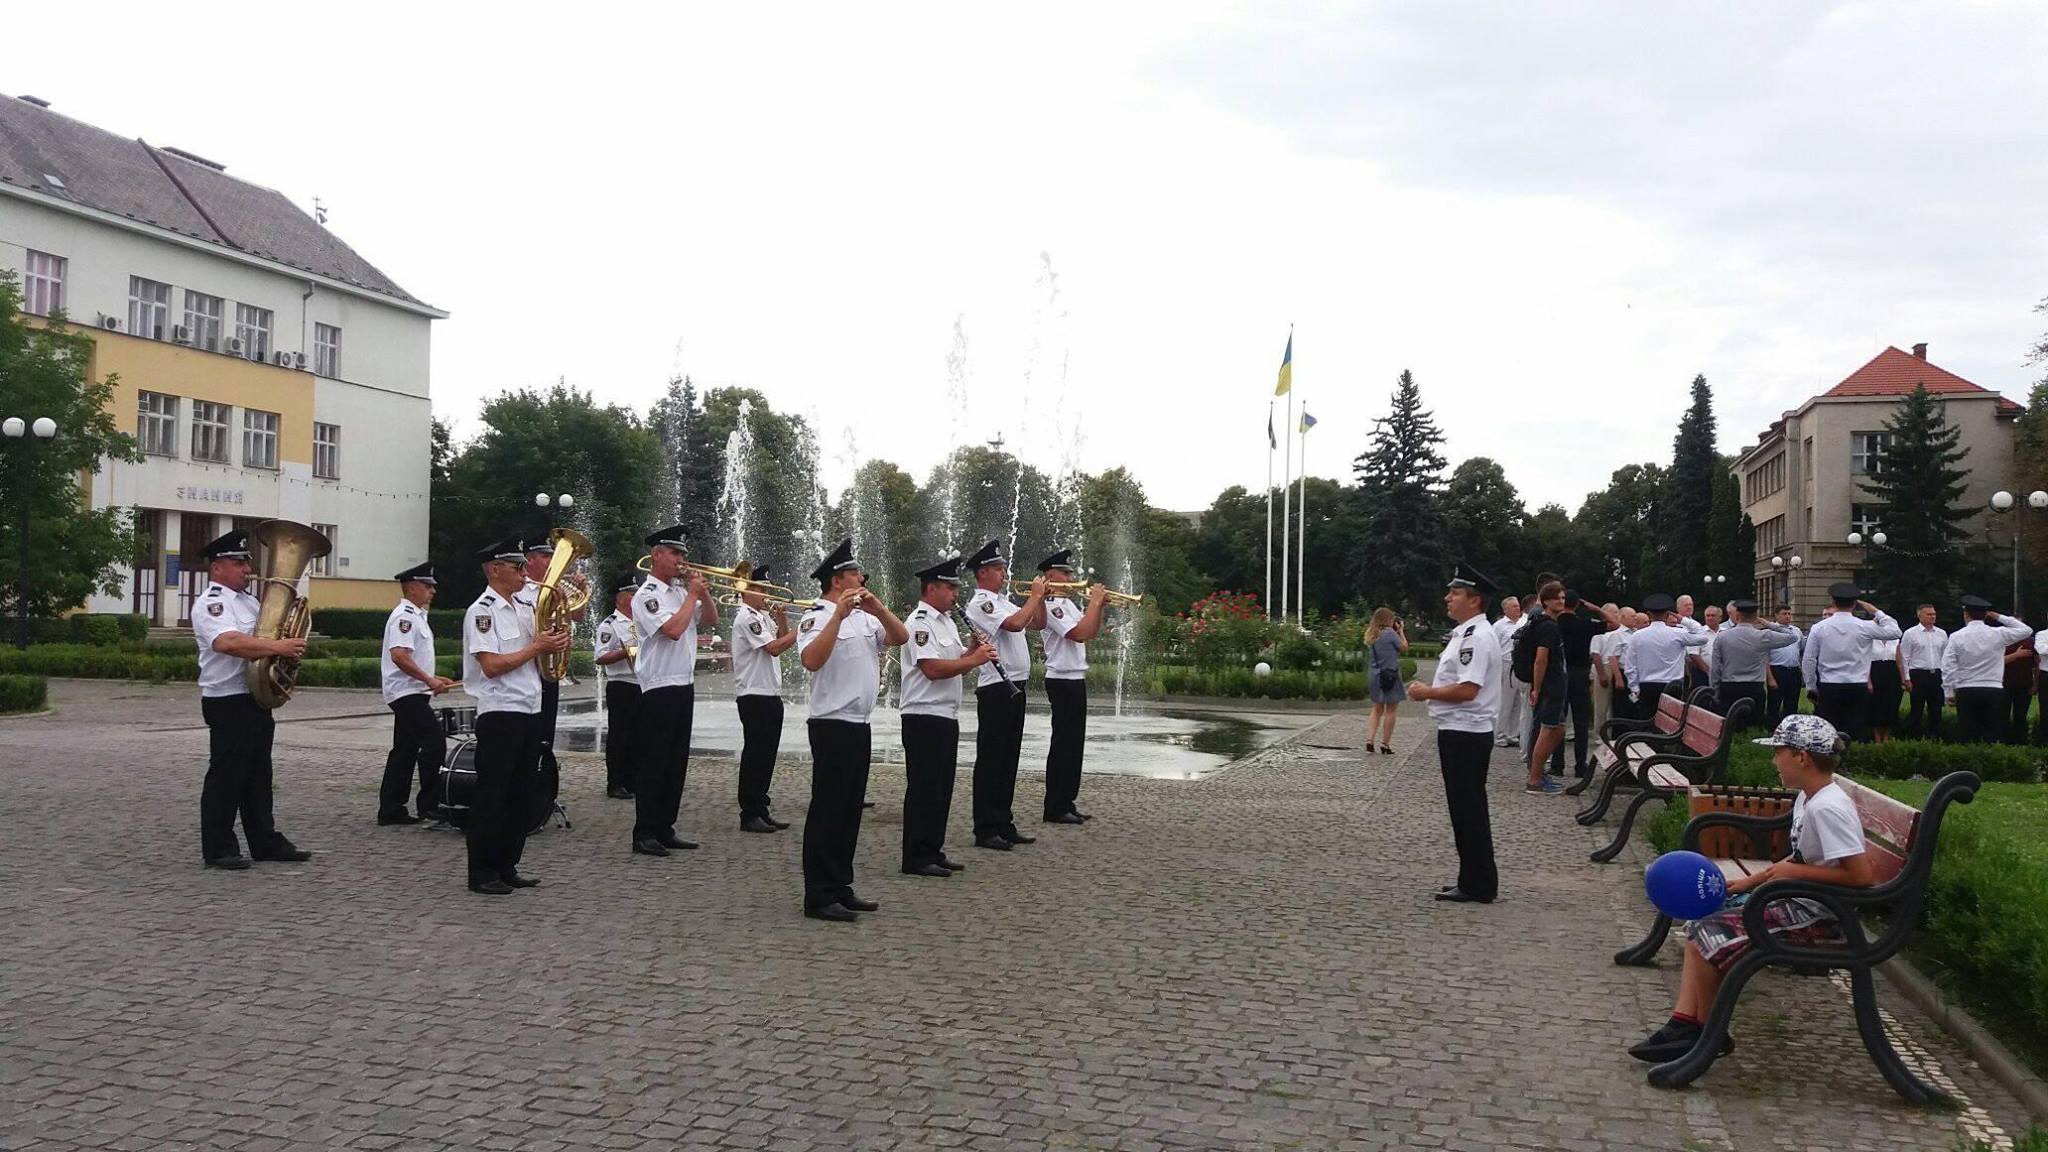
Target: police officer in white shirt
{"x": 239, "y": 730}
{"x": 1618, "y": 704}
{"x": 1973, "y": 669}
{"x": 667, "y": 611}
{"x": 1923, "y": 646}
{"x": 1513, "y": 715}
{"x": 1782, "y": 677}
{"x": 499, "y": 647}
{"x": 538, "y": 553}
{"x": 1462, "y": 701}
{"x": 840, "y": 643}
{"x": 934, "y": 662}
{"x": 618, "y": 642}
{"x": 999, "y": 697}
{"x": 409, "y": 682}
{"x": 1657, "y": 656}
{"x": 1067, "y": 630}
{"x": 759, "y": 638}
{"x": 1836, "y": 664}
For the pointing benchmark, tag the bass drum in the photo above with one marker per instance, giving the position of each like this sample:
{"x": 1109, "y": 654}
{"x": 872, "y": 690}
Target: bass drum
{"x": 458, "y": 789}
{"x": 547, "y": 786}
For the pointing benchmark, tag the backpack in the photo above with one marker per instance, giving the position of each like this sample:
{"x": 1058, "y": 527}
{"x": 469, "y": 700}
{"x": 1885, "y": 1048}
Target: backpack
{"x": 1525, "y": 652}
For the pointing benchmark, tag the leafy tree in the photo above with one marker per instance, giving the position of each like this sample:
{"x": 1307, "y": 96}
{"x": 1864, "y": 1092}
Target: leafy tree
{"x": 1484, "y": 513}
{"x": 879, "y": 510}
{"x": 1918, "y": 482}
{"x": 1403, "y": 552}
{"x": 1230, "y": 546}
{"x": 1620, "y": 522}
{"x": 1556, "y": 543}
{"x": 1334, "y": 531}
{"x": 1687, "y": 509}
{"x": 43, "y": 373}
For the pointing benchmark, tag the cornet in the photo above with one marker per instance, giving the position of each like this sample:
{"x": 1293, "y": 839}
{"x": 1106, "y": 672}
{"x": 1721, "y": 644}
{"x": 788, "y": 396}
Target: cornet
{"x": 1078, "y": 590}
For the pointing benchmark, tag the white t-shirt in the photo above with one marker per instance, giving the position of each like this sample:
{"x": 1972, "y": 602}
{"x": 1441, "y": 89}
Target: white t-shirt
{"x": 219, "y": 610}
{"x": 1504, "y": 631}
{"x": 933, "y": 636}
{"x": 1064, "y": 658}
{"x": 664, "y": 663}
{"x": 754, "y": 671}
{"x": 614, "y": 634}
{"x": 406, "y": 627}
{"x": 1826, "y": 828}
{"x": 495, "y": 624}
{"x": 1471, "y": 655}
{"x": 846, "y": 687}
{"x": 986, "y": 613}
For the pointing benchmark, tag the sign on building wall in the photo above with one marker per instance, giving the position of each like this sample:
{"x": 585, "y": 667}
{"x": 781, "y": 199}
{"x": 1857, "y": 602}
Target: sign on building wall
{"x": 209, "y": 495}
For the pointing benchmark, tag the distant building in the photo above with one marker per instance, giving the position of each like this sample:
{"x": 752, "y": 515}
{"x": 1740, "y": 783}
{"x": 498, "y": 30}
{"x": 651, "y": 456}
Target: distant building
{"x": 266, "y": 369}
{"x": 1800, "y": 482}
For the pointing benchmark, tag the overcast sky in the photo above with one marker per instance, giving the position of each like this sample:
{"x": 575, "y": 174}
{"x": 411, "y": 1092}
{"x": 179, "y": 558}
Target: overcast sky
{"x": 1555, "y": 214}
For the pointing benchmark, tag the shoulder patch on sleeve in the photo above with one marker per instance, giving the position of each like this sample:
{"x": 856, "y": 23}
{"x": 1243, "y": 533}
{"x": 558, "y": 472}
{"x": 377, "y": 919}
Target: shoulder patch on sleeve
{"x": 404, "y": 626}
{"x": 989, "y": 605}
{"x": 652, "y": 604}
{"x": 214, "y": 609}
{"x": 483, "y": 623}
{"x": 809, "y": 623}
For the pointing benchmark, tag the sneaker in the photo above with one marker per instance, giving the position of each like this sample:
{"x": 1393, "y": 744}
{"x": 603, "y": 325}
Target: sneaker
{"x": 1547, "y": 787}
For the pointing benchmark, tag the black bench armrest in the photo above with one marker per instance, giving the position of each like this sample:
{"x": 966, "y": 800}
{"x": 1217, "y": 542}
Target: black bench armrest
{"x": 1752, "y": 824}
{"x": 1838, "y": 899}
{"x": 1650, "y": 736}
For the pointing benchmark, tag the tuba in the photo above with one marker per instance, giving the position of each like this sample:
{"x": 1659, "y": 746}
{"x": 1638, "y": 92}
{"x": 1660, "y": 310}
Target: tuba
{"x": 286, "y": 550}
{"x": 558, "y": 603}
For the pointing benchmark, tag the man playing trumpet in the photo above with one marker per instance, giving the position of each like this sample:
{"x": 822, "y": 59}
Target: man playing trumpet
{"x": 999, "y": 706}
{"x": 1067, "y": 631}
{"x": 759, "y": 638}
{"x": 667, "y": 610}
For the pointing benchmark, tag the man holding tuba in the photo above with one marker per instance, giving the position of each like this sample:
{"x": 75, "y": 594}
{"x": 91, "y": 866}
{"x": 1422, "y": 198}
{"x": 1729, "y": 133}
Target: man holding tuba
{"x": 239, "y": 730}
{"x": 499, "y": 648}
{"x": 667, "y": 611}
{"x": 539, "y": 554}
{"x": 409, "y": 682}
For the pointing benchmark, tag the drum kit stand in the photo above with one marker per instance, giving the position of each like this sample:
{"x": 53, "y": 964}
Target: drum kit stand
{"x": 458, "y": 778}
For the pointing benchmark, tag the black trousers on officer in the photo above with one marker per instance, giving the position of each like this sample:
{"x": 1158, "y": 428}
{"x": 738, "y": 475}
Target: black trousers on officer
{"x": 1980, "y": 715}
{"x": 238, "y": 737}
{"x": 416, "y": 742}
{"x": 1751, "y": 690}
{"x": 508, "y": 754}
{"x": 840, "y": 752}
{"x": 1784, "y": 699}
{"x": 550, "y": 706}
{"x": 1846, "y": 706}
{"x": 622, "y": 734}
{"x": 1068, "y": 701}
{"x": 998, "y": 740}
{"x": 2017, "y": 701}
{"x": 1653, "y": 691}
{"x": 931, "y": 759}
{"x": 761, "y": 726}
{"x": 665, "y": 716}
{"x": 1923, "y": 716}
{"x": 1463, "y": 757}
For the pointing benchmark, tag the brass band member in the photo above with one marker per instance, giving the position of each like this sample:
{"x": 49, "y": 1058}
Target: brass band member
{"x": 538, "y": 553}
{"x": 239, "y": 730}
{"x": 409, "y": 682}
{"x": 759, "y": 638}
{"x": 998, "y": 710}
{"x": 614, "y": 659}
{"x": 499, "y": 647}
{"x": 840, "y": 643}
{"x": 933, "y": 664}
{"x": 667, "y": 611}
{"x": 1067, "y": 631}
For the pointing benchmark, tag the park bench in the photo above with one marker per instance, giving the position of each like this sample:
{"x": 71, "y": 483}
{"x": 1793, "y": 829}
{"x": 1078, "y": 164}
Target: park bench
{"x": 1698, "y": 755}
{"x": 1663, "y": 729}
{"x": 1900, "y": 842}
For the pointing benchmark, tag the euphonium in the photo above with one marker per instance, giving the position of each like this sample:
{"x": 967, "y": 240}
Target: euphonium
{"x": 285, "y": 550}
{"x": 558, "y": 603}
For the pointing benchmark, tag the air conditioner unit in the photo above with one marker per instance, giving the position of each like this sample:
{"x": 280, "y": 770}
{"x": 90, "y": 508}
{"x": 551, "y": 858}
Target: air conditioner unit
{"x": 110, "y": 323}
{"x": 234, "y": 345}
{"x": 181, "y": 334}
{"x": 282, "y": 359}
{"x": 299, "y": 361}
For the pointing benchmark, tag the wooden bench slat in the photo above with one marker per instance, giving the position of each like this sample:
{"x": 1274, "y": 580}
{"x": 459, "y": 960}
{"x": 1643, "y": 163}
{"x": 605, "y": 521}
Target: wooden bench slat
{"x": 1885, "y": 821}
{"x": 1666, "y": 776}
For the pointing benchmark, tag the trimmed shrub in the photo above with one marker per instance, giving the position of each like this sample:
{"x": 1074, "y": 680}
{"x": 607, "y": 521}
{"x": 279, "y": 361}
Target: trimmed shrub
{"x": 1931, "y": 760}
{"x": 368, "y": 623}
{"x": 98, "y": 663}
{"x": 23, "y": 693}
{"x": 1283, "y": 684}
{"x": 1294, "y": 649}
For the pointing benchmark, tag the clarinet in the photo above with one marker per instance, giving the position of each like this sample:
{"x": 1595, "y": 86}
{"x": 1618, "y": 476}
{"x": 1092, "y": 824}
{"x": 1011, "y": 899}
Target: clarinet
{"x": 995, "y": 662}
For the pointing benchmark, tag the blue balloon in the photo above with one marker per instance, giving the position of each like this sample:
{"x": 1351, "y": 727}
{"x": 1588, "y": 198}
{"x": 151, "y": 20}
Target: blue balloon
{"x": 1685, "y": 885}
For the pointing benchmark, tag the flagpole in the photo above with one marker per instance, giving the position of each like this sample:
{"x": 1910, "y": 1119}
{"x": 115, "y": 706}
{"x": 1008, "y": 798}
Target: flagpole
{"x": 1269, "y": 509}
{"x": 1301, "y": 554}
{"x": 1286, "y": 503}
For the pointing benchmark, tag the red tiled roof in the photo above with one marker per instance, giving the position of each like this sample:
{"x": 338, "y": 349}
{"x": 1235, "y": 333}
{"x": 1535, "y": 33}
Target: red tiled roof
{"x": 1894, "y": 373}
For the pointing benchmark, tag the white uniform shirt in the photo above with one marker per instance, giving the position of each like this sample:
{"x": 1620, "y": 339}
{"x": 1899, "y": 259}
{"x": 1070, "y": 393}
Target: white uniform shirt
{"x": 986, "y": 612}
{"x": 218, "y": 610}
{"x": 1504, "y": 631}
{"x": 615, "y": 634}
{"x": 933, "y": 636}
{"x": 754, "y": 671}
{"x": 1064, "y": 659}
{"x": 1656, "y": 652}
{"x": 1617, "y": 649}
{"x": 1471, "y": 655}
{"x": 1838, "y": 648}
{"x": 1975, "y": 656}
{"x": 406, "y": 628}
{"x": 664, "y": 663}
{"x": 1924, "y": 647}
{"x": 495, "y": 624}
{"x": 2041, "y": 649}
{"x": 846, "y": 687}
{"x": 1788, "y": 656}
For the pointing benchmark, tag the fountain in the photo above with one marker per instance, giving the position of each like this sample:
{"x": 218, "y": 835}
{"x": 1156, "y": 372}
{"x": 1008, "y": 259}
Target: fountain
{"x": 735, "y": 493}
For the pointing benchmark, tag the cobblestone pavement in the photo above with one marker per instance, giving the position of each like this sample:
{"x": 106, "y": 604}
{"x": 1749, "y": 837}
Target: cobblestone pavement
{"x": 1249, "y": 961}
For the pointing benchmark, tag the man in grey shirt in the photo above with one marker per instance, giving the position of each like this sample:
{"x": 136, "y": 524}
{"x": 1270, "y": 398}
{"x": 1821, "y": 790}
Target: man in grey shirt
{"x": 1739, "y": 653}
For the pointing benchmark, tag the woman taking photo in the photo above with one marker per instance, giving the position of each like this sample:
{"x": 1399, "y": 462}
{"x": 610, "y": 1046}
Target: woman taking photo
{"x": 1384, "y": 642}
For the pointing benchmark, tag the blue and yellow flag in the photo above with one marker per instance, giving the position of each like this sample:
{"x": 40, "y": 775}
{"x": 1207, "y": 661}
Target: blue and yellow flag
{"x": 1307, "y": 421}
{"x": 1286, "y": 369}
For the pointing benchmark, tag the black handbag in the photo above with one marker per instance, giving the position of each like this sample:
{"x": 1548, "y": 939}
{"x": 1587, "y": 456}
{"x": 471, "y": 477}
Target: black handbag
{"x": 1389, "y": 679}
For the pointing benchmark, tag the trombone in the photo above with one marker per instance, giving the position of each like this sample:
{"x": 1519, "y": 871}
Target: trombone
{"x": 770, "y": 600}
{"x": 728, "y": 581}
{"x": 1078, "y": 590}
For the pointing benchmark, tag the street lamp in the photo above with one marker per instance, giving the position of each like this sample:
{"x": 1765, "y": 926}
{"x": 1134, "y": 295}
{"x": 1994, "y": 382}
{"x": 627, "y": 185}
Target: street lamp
{"x": 542, "y": 500}
{"x": 1791, "y": 583}
{"x": 15, "y": 428}
{"x": 2002, "y": 502}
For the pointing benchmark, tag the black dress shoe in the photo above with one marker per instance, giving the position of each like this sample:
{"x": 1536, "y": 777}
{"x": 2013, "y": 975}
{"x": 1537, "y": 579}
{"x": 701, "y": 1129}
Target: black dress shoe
{"x": 995, "y": 843}
{"x": 1066, "y": 818}
{"x": 619, "y": 792}
{"x": 779, "y": 824}
{"x": 491, "y": 887}
{"x": 951, "y": 866}
{"x": 1085, "y": 816}
{"x": 866, "y": 803}
{"x": 1672, "y": 1041}
{"x": 285, "y": 853}
{"x": 1016, "y": 837}
{"x": 756, "y": 824}
{"x": 858, "y": 904}
{"x": 1460, "y": 896}
{"x": 401, "y": 818}
{"x": 837, "y": 913}
{"x": 433, "y": 812}
{"x": 230, "y": 863}
{"x": 677, "y": 842}
{"x": 518, "y": 881}
{"x": 939, "y": 870}
{"x": 648, "y": 846}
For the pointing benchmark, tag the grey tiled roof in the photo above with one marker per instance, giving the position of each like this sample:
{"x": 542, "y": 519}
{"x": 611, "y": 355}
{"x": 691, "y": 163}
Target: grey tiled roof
{"x": 130, "y": 178}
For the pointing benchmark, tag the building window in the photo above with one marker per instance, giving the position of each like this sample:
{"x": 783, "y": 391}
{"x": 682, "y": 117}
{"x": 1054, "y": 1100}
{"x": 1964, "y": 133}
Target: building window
{"x": 42, "y": 288}
{"x": 202, "y": 320}
{"x": 1770, "y": 536}
{"x": 156, "y": 423}
{"x": 209, "y": 432}
{"x": 252, "y": 328}
{"x": 1866, "y": 452}
{"x": 327, "y": 451}
{"x": 327, "y": 350}
{"x": 324, "y": 566}
{"x": 1865, "y": 518}
{"x": 149, "y": 307}
{"x": 1765, "y": 479}
{"x": 259, "y": 439}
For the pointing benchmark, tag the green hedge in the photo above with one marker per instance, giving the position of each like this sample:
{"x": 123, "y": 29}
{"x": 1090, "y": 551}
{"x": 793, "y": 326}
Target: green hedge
{"x": 23, "y": 693}
{"x": 368, "y": 623}
{"x": 1282, "y": 684}
{"x": 90, "y": 628}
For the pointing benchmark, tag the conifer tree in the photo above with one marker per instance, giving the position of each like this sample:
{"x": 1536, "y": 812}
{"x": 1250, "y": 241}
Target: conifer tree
{"x": 1918, "y": 483}
{"x": 1401, "y": 482}
{"x": 1685, "y": 513}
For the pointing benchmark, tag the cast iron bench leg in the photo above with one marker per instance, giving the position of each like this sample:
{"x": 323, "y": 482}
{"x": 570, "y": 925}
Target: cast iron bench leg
{"x": 1864, "y": 992}
{"x": 1592, "y": 813}
{"x": 1694, "y": 1064}
{"x": 1628, "y": 820}
{"x": 1644, "y": 955}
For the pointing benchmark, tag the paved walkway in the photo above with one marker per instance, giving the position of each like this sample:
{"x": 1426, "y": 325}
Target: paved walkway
{"x": 1250, "y": 961}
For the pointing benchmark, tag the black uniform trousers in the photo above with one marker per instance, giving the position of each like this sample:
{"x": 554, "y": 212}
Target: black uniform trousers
{"x": 508, "y": 754}
{"x": 550, "y": 706}
{"x": 1578, "y": 696}
{"x": 2017, "y": 701}
{"x": 1652, "y": 692}
{"x": 761, "y": 726}
{"x": 840, "y": 751}
{"x": 416, "y": 741}
{"x": 1784, "y": 699}
{"x": 238, "y": 737}
{"x": 1923, "y": 717}
{"x": 1980, "y": 714}
{"x": 998, "y": 740}
{"x": 1751, "y": 690}
{"x": 1463, "y": 757}
{"x": 665, "y": 716}
{"x": 1846, "y": 706}
{"x": 1885, "y": 692}
{"x": 622, "y": 734}
{"x": 931, "y": 759}
{"x": 1068, "y": 700}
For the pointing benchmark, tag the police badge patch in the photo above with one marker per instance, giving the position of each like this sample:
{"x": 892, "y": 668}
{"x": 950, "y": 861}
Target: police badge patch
{"x": 924, "y": 638}
{"x": 404, "y": 626}
{"x": 1058, "y": 615}
{"x": 754, "y": 626}
{"x": 483, "y": 623}
{"x": 988, "y": 606}
{"x": 808, "y": 621}
{"x": 213, "y": 609}
{"x": 653, "y": 605}
{"x": 1464, "y": 655}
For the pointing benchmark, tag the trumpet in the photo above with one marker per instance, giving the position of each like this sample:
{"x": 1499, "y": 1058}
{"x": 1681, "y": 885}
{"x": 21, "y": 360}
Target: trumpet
{"x": 1078, "y": 590}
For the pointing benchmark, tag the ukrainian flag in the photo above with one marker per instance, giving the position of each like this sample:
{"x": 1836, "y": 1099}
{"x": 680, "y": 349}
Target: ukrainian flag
{"x": 1286, "y": 369}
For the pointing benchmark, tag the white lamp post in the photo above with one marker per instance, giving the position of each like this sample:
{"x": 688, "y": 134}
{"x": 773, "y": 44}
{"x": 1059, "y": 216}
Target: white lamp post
{"x": 15, "y": 428}
{"x": 2002, "y": 502}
